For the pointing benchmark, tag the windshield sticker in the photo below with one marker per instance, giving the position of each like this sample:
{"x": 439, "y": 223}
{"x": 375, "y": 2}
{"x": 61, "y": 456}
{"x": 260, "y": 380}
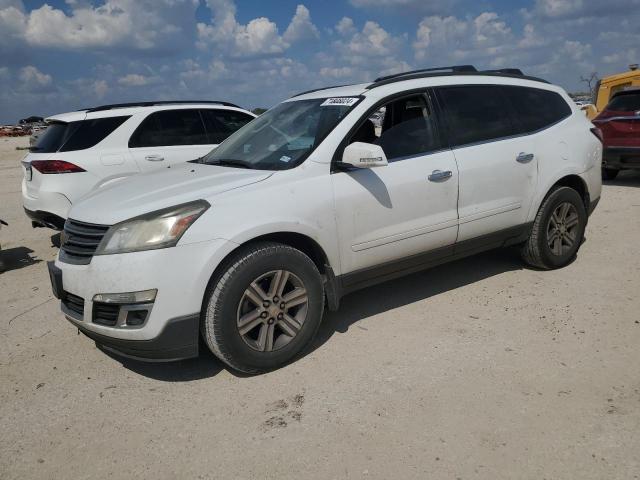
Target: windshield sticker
{"x": 285, "y": 159}
{"x": 339, "y": 102}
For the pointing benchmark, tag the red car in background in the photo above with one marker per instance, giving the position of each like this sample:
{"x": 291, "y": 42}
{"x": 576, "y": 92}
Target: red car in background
{"x": 620, "y": 126}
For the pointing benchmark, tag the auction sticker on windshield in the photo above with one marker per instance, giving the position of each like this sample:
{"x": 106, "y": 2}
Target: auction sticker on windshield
{"x": 339, "y": 102}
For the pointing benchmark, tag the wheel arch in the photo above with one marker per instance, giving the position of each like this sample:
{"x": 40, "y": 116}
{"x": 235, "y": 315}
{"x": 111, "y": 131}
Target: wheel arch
{"x": 568, "y": 179}
{"x": 299, "y": 241}
{"x": 578, "y": 184}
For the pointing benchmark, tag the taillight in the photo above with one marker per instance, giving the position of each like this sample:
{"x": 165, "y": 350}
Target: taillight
{"x": 55, "y": 166}
{"x": 598, "y": 133}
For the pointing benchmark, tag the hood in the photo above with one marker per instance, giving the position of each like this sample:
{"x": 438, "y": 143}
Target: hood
{"x": 144, "y": 193}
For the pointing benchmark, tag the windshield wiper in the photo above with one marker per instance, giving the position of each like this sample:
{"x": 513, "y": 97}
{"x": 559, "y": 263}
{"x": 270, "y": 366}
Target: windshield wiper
{"x": 231, "y": 163}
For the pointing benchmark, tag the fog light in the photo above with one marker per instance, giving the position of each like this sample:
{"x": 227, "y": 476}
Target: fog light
{"x": 135, "y": 318}
{"x": 145, "y": 296}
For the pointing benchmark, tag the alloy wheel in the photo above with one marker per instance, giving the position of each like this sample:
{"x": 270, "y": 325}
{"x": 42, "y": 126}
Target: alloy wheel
{"x": 563, "y": 228}
{"x": 272, "y": 310}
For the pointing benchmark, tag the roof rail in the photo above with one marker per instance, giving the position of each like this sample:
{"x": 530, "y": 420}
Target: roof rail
{"x": 509, "y": 71}
{"x": 452, "y": 69}
{"x": 153, "y": 104}
{"x": 447, "y": 71}
{"x": 318, "y": 89}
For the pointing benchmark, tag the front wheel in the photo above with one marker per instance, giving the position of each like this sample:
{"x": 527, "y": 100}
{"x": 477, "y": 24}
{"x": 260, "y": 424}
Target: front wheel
{"x": 263, "y": 308}
{"x": 558, "y": 230}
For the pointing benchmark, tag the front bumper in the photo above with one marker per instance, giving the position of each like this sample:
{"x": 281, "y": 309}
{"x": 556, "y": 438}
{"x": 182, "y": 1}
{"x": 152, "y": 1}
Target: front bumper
{"x": 178, "y": 340}
{"x": 621, "y": 158}
{"x": 179, "y": 274}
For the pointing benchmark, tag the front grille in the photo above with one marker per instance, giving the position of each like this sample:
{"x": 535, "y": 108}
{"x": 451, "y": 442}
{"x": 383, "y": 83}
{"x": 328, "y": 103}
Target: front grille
{"x": 74, "y": 303}
{"x": 80, "y": 241}
{"x": 105, "y": 314}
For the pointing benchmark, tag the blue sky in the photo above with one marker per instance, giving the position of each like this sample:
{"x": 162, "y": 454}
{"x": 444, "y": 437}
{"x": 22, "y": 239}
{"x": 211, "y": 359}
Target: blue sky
{"x": 67, "y": 54}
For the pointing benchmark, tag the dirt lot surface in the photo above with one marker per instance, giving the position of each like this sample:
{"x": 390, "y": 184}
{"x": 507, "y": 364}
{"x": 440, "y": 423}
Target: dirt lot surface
{"x": 480, "y": 369}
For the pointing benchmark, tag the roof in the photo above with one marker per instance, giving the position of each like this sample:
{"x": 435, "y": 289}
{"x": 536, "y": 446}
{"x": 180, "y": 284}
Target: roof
{"x": 630, "y": 74}
{"x": 434, "y": 72}
{"x": 466, "y": 74}
{"x": 129, "y": 109}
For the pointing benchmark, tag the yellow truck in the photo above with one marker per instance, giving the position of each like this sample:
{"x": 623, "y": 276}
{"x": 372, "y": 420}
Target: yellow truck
{"x": 607, "y": 86}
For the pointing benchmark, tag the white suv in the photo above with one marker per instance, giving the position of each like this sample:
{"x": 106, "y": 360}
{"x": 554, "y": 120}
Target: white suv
{"x": 310, "y": 201}
{"x": 84, "y": 150}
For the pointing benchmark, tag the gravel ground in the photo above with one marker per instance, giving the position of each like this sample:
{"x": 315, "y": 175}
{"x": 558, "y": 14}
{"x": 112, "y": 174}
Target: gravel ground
{"x": 480, "y": 369}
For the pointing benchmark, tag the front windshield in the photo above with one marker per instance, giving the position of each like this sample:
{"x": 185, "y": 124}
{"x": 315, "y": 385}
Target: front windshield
{"x": 284, "y": 136}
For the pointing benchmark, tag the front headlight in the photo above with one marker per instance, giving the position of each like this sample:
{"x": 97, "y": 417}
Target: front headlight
{"x": 160, "y": 229}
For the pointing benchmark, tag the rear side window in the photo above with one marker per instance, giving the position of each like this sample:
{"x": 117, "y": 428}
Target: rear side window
{"x": 54, "y": 137}
{"x": 170, "y": 127}
{"x": 222, "y": 123}
{"x": 536, "y": 109}
{"x": 627, "y": 102}
{"x": 91, "y": 132}
{"x": 68, "y": 137}
{"x": 476, "y": 113}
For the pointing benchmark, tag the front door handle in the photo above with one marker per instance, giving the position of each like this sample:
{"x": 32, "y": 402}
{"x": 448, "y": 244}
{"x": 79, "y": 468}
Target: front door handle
{"x": 524, "y": 157}
{"x": 439, "y": 175}
{"x": 154, "y": 158}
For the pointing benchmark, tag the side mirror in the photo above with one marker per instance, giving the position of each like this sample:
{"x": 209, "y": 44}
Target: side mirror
{"x": 364, "y": 155}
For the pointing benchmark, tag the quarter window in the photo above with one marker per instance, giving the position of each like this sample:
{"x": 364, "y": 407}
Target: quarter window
{"x": 91, "y": 132}
{"x": 222, "y": 123}
{"x": 170, "y": 127}
{"x": 403, "y": 128}
{"x": 535, "y": 108}
{"x": 79, "y": 135}
{"x": 476, "y": 113}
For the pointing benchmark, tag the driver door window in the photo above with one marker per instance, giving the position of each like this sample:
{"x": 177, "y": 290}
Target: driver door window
{"x": 403, "y": 128}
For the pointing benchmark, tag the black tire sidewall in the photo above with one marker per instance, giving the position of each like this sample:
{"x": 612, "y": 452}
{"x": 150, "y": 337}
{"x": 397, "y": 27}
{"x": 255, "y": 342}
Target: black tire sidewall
{"x": 225, "y": 326}
{"x": 563, "y": 194}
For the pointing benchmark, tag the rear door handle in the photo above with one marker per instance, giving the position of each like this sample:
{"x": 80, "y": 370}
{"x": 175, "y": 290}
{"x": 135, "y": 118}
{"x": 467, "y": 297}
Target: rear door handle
{"x": 524, "y": 157}
{"x": 439, "y": 175}
{"x": 154, "y": 158}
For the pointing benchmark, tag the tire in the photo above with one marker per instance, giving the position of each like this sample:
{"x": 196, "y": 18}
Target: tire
{"x": 541, "y": 249}
{"x": 231, "y": 306}
{"x": 609, "y": 173}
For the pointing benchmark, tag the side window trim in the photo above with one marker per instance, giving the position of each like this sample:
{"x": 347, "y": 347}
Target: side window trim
{"x": 427, "y": 93}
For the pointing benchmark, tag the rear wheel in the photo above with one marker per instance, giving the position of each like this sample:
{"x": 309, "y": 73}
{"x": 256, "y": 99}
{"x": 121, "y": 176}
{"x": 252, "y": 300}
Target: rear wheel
{"x": 264, "y": 308}
{"x": 558, "y": 230}
{"x": 609, "y": 173}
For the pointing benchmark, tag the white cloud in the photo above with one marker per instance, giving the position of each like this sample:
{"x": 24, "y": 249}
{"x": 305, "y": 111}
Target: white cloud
{"x": 373, "y": 41}
{"x": 407, "y": 6}
{"x": 100, "y": 87}
{"x": 31, "y": 76}
{"x": 345, "y": 26}
{"x": 133, "y": 80}
{"x": 301, "y": 27}
{"x": 259, "y": 37}
{"x": 136, "y": 24}
{"x": 361, "y": 55}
